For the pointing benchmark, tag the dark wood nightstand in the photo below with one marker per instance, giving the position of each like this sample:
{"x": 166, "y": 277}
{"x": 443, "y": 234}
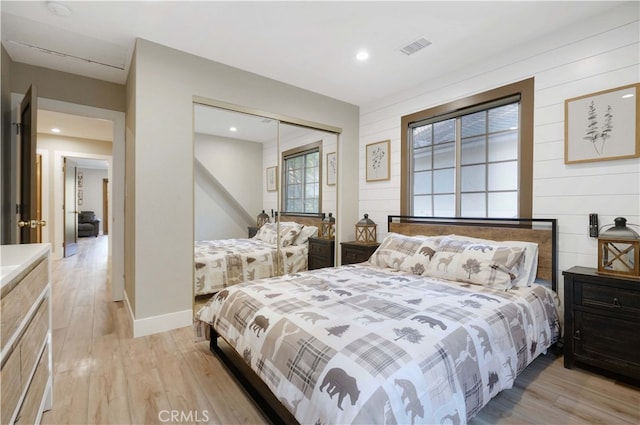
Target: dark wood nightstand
{"x": 357, "y": 252}
{"x": 321, "y": 253}
{"x": 602, "y": 318}
{"x": 251, "y": 231}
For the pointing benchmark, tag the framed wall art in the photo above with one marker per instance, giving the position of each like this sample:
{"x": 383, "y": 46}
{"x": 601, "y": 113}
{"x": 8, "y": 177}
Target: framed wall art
{"x": 272, "y": 179}
{"x": 602, "y": 126}
{"x": 332, "y": 168}
{"x": 378, "y": 161}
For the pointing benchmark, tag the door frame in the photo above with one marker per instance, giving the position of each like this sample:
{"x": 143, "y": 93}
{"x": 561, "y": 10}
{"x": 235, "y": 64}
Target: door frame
{"x": 116, "y": 177}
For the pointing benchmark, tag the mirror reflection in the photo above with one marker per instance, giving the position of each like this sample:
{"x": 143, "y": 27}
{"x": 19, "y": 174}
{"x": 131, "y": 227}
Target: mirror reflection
{"x": 250, "y": 169}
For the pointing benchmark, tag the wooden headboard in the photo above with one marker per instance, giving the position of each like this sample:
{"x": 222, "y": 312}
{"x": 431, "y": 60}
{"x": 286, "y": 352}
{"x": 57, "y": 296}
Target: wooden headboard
{"x": 301, "y": 218}
{"x": 538, "y": 230}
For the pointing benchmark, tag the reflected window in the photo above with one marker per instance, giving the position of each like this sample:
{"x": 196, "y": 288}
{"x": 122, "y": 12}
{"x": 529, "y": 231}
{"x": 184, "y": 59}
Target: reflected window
{"x": 301, "y": 179}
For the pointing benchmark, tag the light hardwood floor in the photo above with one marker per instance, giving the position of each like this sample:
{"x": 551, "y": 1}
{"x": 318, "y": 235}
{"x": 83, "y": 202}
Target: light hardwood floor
{"x": 104, "y": 376}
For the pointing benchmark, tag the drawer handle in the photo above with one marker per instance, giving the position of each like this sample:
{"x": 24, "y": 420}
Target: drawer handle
{"x": 577, "y": 335}
{"x": 616, "y": 303}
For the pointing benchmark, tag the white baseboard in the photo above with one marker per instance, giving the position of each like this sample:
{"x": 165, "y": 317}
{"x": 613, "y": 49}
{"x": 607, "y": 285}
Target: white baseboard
{"x": 157, "y": 324}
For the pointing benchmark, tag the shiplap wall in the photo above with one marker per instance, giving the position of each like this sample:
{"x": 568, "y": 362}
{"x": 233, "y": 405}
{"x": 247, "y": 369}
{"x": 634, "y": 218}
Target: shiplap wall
{"x": 592, "y": 56}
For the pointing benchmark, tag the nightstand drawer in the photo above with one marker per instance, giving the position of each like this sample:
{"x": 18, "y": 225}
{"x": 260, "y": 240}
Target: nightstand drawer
{"x": 355, "y": 252}
{"x": 603, "y": 339}
{"x": 321, "y": 253}
{"x": 321, "y": 250}
{"x": 350, "y": 256}
{"x": 609, "y": 297}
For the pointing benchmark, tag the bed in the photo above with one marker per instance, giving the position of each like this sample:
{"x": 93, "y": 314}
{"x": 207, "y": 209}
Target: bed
{"x": 443, "y": 317}
{"x": 273, "y": 251}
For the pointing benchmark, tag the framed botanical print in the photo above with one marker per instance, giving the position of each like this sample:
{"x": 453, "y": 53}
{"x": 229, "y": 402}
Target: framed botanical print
{"x": 378, "y": 161}
{"x": 272, "y": 179}
{"x": 332, "y": 168}
{"x": 602, "y": 126}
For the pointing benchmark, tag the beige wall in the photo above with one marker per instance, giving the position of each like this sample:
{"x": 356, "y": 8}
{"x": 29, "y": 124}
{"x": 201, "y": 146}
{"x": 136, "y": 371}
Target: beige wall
{"x": 130, "y": 189}
{"x": 165, "y": 82}
{"x": 68, "y": 87}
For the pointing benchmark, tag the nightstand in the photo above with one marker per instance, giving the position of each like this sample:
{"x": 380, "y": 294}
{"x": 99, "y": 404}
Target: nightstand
{"x": 321, "y": 253}
{"x": 601, "y": 319}
{"x": 357, "y": 252}
{"x": 251, "y": 231}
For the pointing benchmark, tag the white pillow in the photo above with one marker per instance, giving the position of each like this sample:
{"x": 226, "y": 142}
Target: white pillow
{"x": 306, "y": 233}
{"x": 479, "y": 263}
{"x": 529, "y": 270}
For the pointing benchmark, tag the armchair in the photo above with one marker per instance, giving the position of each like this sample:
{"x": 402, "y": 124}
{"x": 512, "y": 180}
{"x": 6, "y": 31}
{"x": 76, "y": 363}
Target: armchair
{"x": 88, "y": 224}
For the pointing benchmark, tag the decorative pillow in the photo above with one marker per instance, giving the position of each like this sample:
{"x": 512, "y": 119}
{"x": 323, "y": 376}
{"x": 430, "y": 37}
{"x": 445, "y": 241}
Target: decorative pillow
{"x": 418, "y": 262}
{"x": 306, "y": 233}
{"x": 288, "y": 233}
{"x": 395, "y": 249}
{"x": 527, "y": 275}
{"x": 476, "y": 263}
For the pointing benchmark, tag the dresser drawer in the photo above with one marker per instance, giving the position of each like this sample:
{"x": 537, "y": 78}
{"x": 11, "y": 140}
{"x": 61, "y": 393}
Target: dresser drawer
{"x": 30, "y": 408}
{"x": 608, "y": 297}
{"x": 33, "y": 338}
{"x": 10, "y": 385}
{"x": 16, "y": 303}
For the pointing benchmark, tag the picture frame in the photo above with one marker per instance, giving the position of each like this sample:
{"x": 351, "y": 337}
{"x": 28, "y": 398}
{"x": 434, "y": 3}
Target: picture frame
{"x": 378, "y": 161}
{"x": 332, "y": 168}
{"x": 272, "y": 179}
{"x": 602, "y": 126}
{"x": 80, "y": 178}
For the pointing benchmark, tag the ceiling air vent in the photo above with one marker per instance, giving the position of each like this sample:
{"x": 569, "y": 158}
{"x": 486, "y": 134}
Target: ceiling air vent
{"x": 415, "y": 46}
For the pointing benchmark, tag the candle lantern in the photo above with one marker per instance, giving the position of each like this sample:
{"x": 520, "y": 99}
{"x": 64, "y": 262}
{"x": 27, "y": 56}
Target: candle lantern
{"x": 263, "y": 218}
{"x": 328, "y": 230}
{"x": 619, "y": 250}
{"x": 366, "y": 230}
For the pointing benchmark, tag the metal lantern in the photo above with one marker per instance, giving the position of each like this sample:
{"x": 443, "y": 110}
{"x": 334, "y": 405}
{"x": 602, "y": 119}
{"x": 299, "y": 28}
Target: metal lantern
{"x": 619, "y": 250}
{"x": 263, "y": 218}
{"x": 366, "y": 230}
{"x": 328, "y": 230}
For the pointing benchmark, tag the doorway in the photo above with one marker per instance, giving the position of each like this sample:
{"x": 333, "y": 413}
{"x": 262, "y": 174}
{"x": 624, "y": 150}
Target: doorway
{"x": 116, "y": 176}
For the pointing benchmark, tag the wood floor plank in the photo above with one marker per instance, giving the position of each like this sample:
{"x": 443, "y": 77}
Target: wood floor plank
{"x": 102, "y": 375}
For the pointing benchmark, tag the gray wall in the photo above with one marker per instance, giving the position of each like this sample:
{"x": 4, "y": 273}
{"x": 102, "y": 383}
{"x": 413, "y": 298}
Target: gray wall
{"x": 165, "y": 82}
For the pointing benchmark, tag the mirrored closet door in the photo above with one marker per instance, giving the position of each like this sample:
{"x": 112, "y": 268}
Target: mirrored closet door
{"x": 246, "y": 163}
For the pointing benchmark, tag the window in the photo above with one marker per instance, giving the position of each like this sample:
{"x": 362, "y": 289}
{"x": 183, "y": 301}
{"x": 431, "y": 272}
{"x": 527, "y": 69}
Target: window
{"x": 301, "y": 182}
{"x": 471, "y": 158}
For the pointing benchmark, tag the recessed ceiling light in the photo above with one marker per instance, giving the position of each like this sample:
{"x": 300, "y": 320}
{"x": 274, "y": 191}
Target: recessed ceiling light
{"x": 362, "y": 55}
{"x": 59, "y": 9}
{"x": 55, "y": 130}
{"x": 627, "y": 96}
{"x": 233, "y": 129}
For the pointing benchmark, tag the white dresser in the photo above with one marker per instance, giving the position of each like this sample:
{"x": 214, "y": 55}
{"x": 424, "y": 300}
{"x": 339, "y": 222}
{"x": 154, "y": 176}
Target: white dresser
{"x": 25, "y": 312}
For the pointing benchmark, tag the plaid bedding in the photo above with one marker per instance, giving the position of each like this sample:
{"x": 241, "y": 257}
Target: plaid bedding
{"x": 222, "y": 263}
{"x": 362, "y": 344}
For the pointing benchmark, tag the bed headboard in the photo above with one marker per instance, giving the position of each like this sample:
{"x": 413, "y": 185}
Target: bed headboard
{"x": 538, "y": 230}
{"x": 307, "y": 219}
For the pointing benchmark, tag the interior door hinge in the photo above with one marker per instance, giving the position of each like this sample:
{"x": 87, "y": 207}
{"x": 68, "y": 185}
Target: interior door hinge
{"x": 19, "y": 127}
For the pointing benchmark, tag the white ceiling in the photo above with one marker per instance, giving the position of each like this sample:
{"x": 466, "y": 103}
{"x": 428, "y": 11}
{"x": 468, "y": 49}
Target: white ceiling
{"x": 308, "y": 44}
